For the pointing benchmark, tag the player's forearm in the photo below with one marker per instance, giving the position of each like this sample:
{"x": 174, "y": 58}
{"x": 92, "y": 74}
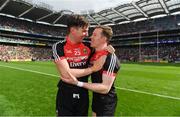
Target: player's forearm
{"x": 96, "y": 87}
{"x": 65, "y": 70}
{"x": 61, "y": 72}
{"x": 80, "y": 72}
{"x": 98, "y": 64}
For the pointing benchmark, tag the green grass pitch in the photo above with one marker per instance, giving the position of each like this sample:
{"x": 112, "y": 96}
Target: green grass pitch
{"x": 144, "y": 89}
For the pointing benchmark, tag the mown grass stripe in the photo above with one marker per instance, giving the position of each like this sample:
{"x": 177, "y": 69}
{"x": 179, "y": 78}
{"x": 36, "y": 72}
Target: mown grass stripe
{"x": 120, "y": 88}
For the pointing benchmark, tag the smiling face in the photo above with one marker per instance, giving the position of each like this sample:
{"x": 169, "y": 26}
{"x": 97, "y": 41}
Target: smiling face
{"x": 77, "y": 28}
{"x": 79, "y": 33}
{"x": 97, "y": 38}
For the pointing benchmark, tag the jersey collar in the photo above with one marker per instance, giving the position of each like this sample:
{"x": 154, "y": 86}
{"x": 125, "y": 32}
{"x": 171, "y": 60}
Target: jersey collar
{"x": 102, "y": 52}
{"x": 69, "y": 42}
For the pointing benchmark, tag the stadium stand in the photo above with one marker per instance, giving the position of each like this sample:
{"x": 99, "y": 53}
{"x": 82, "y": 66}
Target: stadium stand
{"x": 16, "y": 25}
{"x": 144, "y": 30}
{"x": 149, "y": 40}
{"x": 167, "y": 53}
{"x": 24, "y": 53}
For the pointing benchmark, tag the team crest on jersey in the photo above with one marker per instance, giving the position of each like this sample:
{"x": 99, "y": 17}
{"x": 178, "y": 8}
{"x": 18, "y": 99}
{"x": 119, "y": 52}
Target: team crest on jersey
{"x": 85, "y": 51}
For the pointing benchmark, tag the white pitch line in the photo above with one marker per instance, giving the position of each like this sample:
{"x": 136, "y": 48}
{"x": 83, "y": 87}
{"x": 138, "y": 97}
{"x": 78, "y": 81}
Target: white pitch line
{"x": 148, "y": 93}
{"x": 28, "y": 70}
{"x": 131, "y": 90}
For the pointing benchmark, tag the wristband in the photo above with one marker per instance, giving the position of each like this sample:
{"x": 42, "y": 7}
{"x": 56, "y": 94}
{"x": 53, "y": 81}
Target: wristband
{"x": 80, "y": 84}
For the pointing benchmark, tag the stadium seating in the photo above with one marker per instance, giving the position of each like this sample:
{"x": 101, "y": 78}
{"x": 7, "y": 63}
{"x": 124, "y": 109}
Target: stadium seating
{"x": 22, "y": 51}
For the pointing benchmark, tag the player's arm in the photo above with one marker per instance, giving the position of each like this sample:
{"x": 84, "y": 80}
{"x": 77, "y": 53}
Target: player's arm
{"x": 103, "y": 87}
{"x": 63, "y": 66}
{"x": 97, "y": 65}
{"x": 108, "y": 76}
{"x": 59, "y": 59}
{"x": 110, "y": 69}
{"x": 64, "y": 70}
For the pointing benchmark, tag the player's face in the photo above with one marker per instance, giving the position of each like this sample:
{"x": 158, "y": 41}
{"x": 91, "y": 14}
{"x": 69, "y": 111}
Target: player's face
{"x": 96, "y": 38}
{"x": 80, "y": 33}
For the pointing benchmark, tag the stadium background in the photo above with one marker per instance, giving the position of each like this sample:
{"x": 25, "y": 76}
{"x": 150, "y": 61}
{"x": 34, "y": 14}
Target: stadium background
{"x": 147, "y": 42}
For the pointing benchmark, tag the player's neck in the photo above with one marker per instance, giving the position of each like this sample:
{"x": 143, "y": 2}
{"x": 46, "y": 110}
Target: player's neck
{"x": 101, "y": 47}
{"x": 72, "y": 39}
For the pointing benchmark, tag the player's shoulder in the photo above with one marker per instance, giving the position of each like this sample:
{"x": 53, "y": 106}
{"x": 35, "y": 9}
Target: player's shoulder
{"x": 59, "y": 43}
{"x": 111, "y": 57}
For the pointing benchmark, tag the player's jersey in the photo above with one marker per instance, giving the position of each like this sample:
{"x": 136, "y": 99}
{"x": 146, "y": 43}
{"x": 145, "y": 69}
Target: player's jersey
{"x": 77, "y": 55}
{"x": 110, "y": 67}
{"x": 71, "y": 99}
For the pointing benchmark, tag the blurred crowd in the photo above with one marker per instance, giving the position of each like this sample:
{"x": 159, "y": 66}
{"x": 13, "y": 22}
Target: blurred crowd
{"x": 158, "y": 24}
{"x": 164, "y": 23}
{"x": 23, "y": 53}
{"x": 168, "y": 53}
{"x": 23, "y": 26}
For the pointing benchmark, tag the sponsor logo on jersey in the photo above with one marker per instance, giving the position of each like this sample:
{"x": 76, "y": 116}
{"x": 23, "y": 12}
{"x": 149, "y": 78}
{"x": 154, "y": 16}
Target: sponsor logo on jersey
{"x": 77, "y": 59}
{"x": 78, "y": 64}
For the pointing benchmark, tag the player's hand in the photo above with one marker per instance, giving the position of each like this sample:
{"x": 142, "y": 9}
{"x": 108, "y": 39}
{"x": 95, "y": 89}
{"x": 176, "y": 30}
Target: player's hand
{"x": 98, "y": 64}
{"x": 110, "y": 49}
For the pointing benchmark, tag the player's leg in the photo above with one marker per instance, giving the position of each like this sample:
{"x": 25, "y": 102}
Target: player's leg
{"x": 64, "y": 104}
{"x": 82, "y": 104}
{"x": 109, "y": 106}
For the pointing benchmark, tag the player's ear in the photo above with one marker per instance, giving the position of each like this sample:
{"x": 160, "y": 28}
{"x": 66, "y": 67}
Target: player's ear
{"x": 72, "y": 30}
{"x": 104, "y": 39}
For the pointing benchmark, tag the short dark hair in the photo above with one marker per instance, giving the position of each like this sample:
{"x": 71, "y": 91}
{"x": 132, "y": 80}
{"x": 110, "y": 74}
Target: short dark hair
{"x": 106, "y": 31}
{"x": 76, "y": 21}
